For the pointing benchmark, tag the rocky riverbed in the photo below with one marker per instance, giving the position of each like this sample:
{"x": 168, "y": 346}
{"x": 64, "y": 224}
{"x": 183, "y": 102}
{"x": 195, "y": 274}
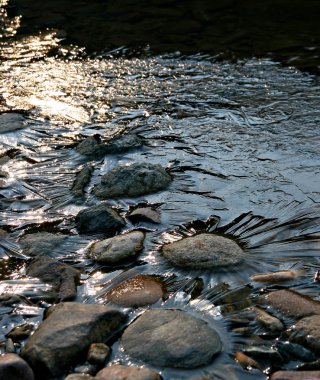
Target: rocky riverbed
{"x": 159, "y": 219}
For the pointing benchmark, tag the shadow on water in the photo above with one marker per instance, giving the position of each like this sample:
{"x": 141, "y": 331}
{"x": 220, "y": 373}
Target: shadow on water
{"x": 240, "y": 140}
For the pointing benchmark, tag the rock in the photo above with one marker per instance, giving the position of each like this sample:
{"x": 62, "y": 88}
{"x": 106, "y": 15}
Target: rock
{"x": 245, "y": 361}
{"x": 307, "y": 332}
{"x": 292, "y": 303}
{"x": 42, "y": 243}
{"x": 277, "y": 276}
{"x": 122, "y": 372}
{"x": 118, "y": 248}
{"x": 271, "y": 323}
{"x": 203, "y": 251}
{"x": 263, "y": 353}
{"x": 171, "y": 338}
{"x": 144, "y": 214}
{"x": 93, "y": 146}
{"x": 290, "y": 350}
{"x": 81, "y": 181}
{"x": 79, "y": 376}
{"x": 9, "y": 346}
{"x": 295, "y": 375}
{"x": 10, "y": 122}
{"x": 132, "y": 181}
{"x": 98, "y": 353}
{"x": 66, "y": 334}
{"x": 87, "y": 369}
{"x": 99, "y": 218}
{"x": 12, "y": 367}
{"x": 137, "y": 291}
{"x": 64, "y": 278}
{"x": 20, "y": 332}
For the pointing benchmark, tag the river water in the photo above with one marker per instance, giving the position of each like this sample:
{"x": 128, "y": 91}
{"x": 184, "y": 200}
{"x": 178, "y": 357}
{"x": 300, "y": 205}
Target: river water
{"x": 241, "y": 140}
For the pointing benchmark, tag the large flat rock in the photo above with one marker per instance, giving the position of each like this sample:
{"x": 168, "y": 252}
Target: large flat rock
{"x": 66, "y": 334}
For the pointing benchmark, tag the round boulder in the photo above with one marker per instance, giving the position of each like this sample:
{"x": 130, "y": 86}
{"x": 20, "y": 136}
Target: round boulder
{"x": 122, "y": 372}
{"x": 171, "y": 338}
{"x": 203, "y": 251}
{"x": 132, "y": 181}
{"x": 137, "y": 291}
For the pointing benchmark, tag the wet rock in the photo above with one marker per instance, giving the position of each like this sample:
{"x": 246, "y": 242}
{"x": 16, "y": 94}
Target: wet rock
{"x": 171, "y": 338}
{"x": 64, "y": 278}
{"x": 277, "y": 276}
{"x": 66, "y": 334}
{"x": 307, "y": 332}
{"x": 293, "y": 304}
{"x": 13, "y": 367}
{"x": 137, "y": 291}
{"x": 20, "y": 332}
{"x": 295, "y": 375}
{"x": 10, "y": 122}
{"x": 9, "y": 299}
{"x": 245, "y": 361}
{"x": 203, "y": 251}
{"x": 78, "y": 376}
{"x": 122, "y": 372}
{"x": 98, "y": 353}
{"x": 118, "y": 248}
{"x": 42, "y": 243}
{"x": 271, "y": 323}
{"x": 263, "y": 353}
{"x": 312, "y": 366}
{"x": 144, "y": 214}
{"x": 99, "y": 218}
{"x": 81, "y": 181}
{"x": 87, "y": 368}
{"x": 290, "y": 350}
{"x": 9, "y": 346}
{"x": 93, "y": 146}
{"x": 132, "y": 181}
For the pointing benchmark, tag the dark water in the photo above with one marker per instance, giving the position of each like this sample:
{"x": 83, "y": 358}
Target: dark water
{"x": 240, "y": 138}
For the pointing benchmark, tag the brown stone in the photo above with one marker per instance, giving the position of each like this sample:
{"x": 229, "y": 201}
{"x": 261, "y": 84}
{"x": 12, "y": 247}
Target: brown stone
{"x": 295, "y": 375}
{"x": 137, "y": 291}
{"x": 122, "y": 372}
{"x": 98, "y": 353}
{"x": 13, "y": 367}
{"x": 307, "y": 332}
{"x": 293, "y": 304}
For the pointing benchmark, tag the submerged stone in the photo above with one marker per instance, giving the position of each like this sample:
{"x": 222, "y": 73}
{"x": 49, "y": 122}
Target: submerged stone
{"x": 118, "y": 248}
{"x": 98, "y": 353}
{"x": 64, "y": 278}
{"x": 307, "y": 332}
{"x": 269, "y": 321}
{"x": 133, "y": 180}
{"x": 81, "y": 181}
{"x": 13, "y": 367}
{"x": 10, "y": 122}
{"x": 292, "y": 303}
{"x": 122, "y": 372}
{"x": 295, "y": 375}
{"x": 203, "y": 251}
{"x": 171, "y": 338}
{"x": 99, "y": 218}
{"x": 42, "y": 243}
{"x": 137, "y": 291}
{"x": 66, "y": 334}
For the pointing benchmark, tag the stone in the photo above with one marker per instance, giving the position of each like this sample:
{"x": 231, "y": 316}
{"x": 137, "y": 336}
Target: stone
{"x": 295, "y": 375}
{"x": 20, "y": 332}
{"x": 91, "y": 146}
{"x": 144, "y": 214}
{"x": 292, "y": 303}
{"x": 277, "y": 276}
{"x": 98, "y": 353}
{"x": 270, "y": 322}
{"x": 81, "y": 181}
{"x": 122, "y": 372}
{"x": 10, "y": 122}
{"x": 132, "y": 181}
{"x": 66, "y": 334}
{"x": 13, "y": 367}
{"x": 64, "y": 278}
{"x": 118, "y": 248}
{"x": 79, "y": 376}
{"x": 137, "y": 291}
{"x": 203, "y": 251}
{"x": 42, "y": 243}
{"x": 290, "y": 350}
{"x": 307, "y": 332}
{"x": 99, "y": 218}
{"x": 171, "y": 338}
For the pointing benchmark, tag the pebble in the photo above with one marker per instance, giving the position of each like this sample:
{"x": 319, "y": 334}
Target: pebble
{"x": 277, "y": 276}
{"x": 145, "y": 214}
{"x": 66, "y": 333}
{"x": 171, "y": 338}
{"x": 79, "y": 376}
{"x": 98, "y": 353}
{"x": 203, "y": 251}
{"x": 307, "y": 332}
{"x": 118, "y": 248}
{"x": 132, "y": 181}
{"x": 13, "y": 367}
{"x": 137, "y": 291}
{"x": 245, "y": 361}
{"x": 122, "y": 372}
{"x": 292, "y": 303}
{"x": 99, "y": 218}
{"x": 295, "y": 375}
{"x": 271, "y": 323}
{"x": 81, "y": 181}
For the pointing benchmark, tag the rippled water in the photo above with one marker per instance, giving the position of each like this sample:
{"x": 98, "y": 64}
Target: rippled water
{"x": 240, "y": 139}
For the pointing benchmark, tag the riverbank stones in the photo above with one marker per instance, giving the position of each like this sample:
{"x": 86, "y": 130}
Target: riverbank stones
{"x": 171, "y": 338}
{"x": 13, "y": 367}
{"x": 137, "y": 291}
{"x": 66, "y": 334}
{"x": 203, "y": 251}
{"x": 118, "y": 248}
{"x": 99, "y": 218}
{"x": 132, "y": 181}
